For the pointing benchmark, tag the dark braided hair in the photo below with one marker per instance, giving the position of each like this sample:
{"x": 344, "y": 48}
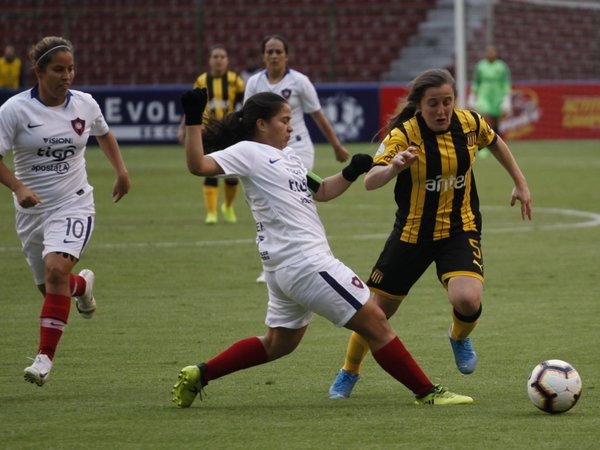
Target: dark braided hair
{"x": 241, "y": 125}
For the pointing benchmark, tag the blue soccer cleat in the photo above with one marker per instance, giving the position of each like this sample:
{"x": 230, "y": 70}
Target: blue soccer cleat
{"x": 464, "y": 355}
{"x": 342, "y": 385}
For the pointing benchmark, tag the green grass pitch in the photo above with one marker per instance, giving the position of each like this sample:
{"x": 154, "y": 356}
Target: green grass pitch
{"x": 172, "y": 292}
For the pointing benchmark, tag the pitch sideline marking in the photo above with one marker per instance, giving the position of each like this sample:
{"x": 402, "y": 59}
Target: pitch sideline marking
{"x": 593, "y": 220}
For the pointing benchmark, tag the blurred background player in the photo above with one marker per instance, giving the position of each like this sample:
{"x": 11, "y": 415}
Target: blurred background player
{"x": 302, "y": 97}
{"x": 47, "y": 129}
{"x": 252, "y": 66}
{"x": 11, "y": 69}
{"x": 225, "y": 94}
{"x": 491, "y": 90}
{"x": 429, "y": 150}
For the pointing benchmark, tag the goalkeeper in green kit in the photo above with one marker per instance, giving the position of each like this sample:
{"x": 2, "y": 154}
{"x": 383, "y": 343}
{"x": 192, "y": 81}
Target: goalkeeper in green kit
{"x": 491, "y": 88}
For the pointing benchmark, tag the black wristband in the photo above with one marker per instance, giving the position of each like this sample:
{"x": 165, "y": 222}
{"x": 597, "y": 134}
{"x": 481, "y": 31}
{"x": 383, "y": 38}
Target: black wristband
{"x": 350, "y": 174}
{"x": 359, "y": 164}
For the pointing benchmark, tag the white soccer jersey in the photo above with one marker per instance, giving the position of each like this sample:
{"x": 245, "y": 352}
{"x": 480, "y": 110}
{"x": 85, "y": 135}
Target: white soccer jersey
{"x": 49, "y": 142}
{"x": 302, "y": 97}
{"x": 288, "y": 228}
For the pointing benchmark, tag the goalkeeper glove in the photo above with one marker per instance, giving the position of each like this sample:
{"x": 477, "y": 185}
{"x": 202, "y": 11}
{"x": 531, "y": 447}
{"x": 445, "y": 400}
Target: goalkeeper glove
{"x": 359, "y": 164}
{"x": 194, "y": 104}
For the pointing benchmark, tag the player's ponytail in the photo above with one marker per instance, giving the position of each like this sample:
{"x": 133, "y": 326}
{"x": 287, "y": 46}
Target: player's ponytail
{"x": 241, "y": 125}
{"x": 220, "y": 134}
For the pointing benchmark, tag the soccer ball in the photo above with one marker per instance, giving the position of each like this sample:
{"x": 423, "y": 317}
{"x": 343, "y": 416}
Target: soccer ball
{"x": 554, "y": 386}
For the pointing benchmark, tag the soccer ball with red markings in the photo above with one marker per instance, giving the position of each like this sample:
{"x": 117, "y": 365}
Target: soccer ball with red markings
{"x": 554, "y": 386}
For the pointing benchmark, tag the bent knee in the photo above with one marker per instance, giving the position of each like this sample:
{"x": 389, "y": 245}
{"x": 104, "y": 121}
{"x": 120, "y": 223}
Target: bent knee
{"x": 372, "y": 324}
{"x": 465, "y": 293}
{"x": 280, "y": 350}
{"x": 55, "y": 275}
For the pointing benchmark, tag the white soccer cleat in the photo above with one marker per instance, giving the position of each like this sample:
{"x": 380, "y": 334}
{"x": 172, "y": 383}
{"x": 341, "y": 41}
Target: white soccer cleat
{"x": 86, "y": 304}
{"x": 39, "y": 371}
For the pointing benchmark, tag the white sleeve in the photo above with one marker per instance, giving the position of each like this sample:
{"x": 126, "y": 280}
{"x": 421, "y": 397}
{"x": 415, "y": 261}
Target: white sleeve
{"x": 250, "y": 89}
{"x": 237, "y": 159}
{"x": 7, "y": 128}
{"x": 308, "y": 95}
{"x": 99, "y": 126}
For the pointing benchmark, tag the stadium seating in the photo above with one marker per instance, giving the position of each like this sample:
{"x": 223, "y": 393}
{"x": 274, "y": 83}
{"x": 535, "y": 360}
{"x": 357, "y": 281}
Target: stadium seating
{"x": 116, "y": 41}
{"x": 542, "y": 43}
{"x": 330, "y": 41}
{"x": 166, "y": 41}
{"x": 155, "y": 41}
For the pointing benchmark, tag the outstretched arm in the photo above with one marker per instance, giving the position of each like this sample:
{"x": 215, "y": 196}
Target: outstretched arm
{"x": 198, "y": 163}
{"x": 335, "y": 185}
{"x": 521, "y": 190}
{"x": 381, "y": 175}
{"x": 110, "y": 147}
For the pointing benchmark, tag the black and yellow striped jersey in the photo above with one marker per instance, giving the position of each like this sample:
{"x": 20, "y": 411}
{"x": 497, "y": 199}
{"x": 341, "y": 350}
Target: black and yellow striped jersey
{"x": 225, "y": 94}
{"x": 437, "y": 196}
{"x": 10, "y": 73}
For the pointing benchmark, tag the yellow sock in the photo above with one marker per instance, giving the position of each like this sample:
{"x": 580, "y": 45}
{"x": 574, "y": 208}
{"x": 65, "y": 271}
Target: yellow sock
{"x": 211, "y": 196}
{"x": 355, "y": 353}
{"x": 460, "y": 329}
{"x": 230, "y": 193}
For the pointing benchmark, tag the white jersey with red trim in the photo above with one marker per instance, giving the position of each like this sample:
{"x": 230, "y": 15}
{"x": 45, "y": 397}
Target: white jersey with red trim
{"x": 288, "y": 227}
{"x": 302, "y": 97}
{"x": 49, "y": 143}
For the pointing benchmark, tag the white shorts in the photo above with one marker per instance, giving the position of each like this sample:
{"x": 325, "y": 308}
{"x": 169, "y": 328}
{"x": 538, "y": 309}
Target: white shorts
{"x": 66, "y": 229}
{"x": 320, "y": 284}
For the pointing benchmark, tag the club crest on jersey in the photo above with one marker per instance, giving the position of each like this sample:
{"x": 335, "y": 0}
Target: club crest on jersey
{"x": 357, "y": 282}
{"x": 286, "y": 93}
{"x": 471, "y": 138}
{"x": 78, "y": 125}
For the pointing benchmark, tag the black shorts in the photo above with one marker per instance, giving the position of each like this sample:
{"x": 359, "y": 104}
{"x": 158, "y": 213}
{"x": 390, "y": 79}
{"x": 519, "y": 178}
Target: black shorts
{"x": 400, "y": 264}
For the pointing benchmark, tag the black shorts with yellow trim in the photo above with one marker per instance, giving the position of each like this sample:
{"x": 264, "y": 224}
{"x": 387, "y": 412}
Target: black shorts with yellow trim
{"x": 401, "y": 264}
